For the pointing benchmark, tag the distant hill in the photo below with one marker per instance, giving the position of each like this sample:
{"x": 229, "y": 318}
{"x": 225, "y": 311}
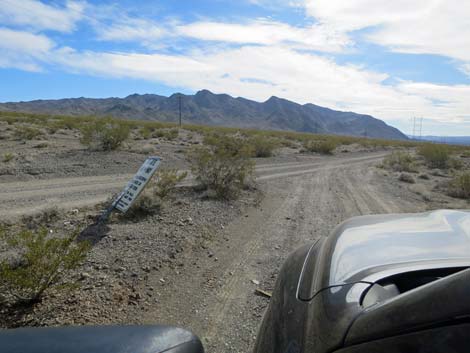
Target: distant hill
{"x": 208, "y": 108}
{"x": 453, "y": 140}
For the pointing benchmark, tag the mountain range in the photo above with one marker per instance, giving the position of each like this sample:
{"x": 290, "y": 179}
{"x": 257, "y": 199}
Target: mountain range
{"x": 452, "y": 140}
{"x": 208, "y": 108}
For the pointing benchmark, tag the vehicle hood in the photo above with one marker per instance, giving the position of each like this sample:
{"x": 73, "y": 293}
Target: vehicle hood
{"x": 364, "y": 246}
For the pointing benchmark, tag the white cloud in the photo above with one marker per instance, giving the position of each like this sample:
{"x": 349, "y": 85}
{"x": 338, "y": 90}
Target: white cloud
{"x": 439, "y": 27}
{"x": 23, "y": 50}
{"x": 131, "y": 29}
{"x": 39, "y": 16}
{"x": 262, "y": 32}
{"x": 266, "y": 32}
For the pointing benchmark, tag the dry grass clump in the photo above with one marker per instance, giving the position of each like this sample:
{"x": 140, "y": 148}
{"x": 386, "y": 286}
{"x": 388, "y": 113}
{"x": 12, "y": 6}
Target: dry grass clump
{"x": 7, "y": 157}
{"x": 406, "y": 178}
{"x": 460, "y": 186}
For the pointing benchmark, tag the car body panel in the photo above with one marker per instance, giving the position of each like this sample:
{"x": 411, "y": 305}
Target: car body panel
{"x": 100, "y": 339}
{"x": 369, "y": 242}
{"x": 330, "y": 294}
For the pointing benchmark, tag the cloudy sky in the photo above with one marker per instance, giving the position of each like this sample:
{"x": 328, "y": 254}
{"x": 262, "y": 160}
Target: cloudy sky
{"x": 394, "y": 59}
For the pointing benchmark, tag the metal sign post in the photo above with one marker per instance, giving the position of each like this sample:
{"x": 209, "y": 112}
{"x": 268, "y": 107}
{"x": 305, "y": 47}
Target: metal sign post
{"x": 133, "y": 188}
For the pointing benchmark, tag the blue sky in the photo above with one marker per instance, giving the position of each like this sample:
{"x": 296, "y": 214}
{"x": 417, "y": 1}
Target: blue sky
{"x": 393, "y": 60}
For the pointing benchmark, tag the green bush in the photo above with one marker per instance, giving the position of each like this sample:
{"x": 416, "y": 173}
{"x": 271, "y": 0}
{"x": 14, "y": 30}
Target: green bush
{"x": 105, "y": 134}
{"x": 7, "y": 157}
{"x": 223, "y": 165}
{"x": 166, "y": 180}
{"x": 43, "y": 262}
{"x": 400, "y": 162}
{"x": 320, "y": 146}
{"x": 263, "y": 147}
{"x": 436, "y": 156}
{"x": 168, "y": 134}
{"x": 460, "y": 186}
{"x": 146, "y": 132}
{"x": 27, "y": 133}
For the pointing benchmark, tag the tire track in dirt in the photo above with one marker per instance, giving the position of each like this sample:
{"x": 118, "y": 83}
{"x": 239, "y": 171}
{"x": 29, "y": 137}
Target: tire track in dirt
{"x": 20, "y": 198}
{"x": 222, "y": 307}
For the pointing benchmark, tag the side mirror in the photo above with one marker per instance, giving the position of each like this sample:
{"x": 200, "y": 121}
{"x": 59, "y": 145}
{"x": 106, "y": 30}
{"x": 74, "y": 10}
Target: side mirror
{"x": 100, "y": 339}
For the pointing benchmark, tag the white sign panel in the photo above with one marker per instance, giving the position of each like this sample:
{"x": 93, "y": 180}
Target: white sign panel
{"x": 137, "y": 184}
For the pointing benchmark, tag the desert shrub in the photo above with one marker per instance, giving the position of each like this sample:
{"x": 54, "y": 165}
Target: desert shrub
{"x": 223, "y": 165}
{"x": 320, "y": 146}
{"x": 26, "y": 132}
{"x": 406, "y": 178}
{"x": 436, "y": 156}
{"x": 460, "y": 186}
{"x": 105, "y": 134}
{"x": 146, "y": 132}
{"x": 455, "y": 163}
{"x": 263, "y": 147}
{"x": 172, "y": 134}
{"x": 166, "y": 181}
{"x": 41, "y": 262}
{"x": 399, "y": 162}
{"x": 41, "y": 218}
{"x": 7, "y": 157}
{"x": 168, "y": 134}
{"x": 146, "y": 204}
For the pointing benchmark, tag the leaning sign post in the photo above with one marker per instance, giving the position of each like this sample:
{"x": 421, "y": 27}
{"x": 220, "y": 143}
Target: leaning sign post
{"x": 133, "y": 188}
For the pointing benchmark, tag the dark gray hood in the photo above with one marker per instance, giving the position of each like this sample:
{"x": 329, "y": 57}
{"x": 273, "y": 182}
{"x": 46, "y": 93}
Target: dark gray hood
{"x": 363, "y": 246}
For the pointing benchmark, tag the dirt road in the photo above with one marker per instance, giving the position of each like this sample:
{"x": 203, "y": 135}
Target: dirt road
{"x": 25, "y": 197}
{"x": 212, "y": 291}
{"x": 216, "y": 298}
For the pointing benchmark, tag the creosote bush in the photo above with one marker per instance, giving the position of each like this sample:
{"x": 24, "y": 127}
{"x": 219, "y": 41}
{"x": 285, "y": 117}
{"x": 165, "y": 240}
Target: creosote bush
{"x": 320, "y": 146}
{"x": 166, "y": 181}
{"x": 399, "y": 162}
{"x": 436, "y": 156}
{"x": 42, "y": 263}
{"x": 152, "y": 199}
{"x": 223, "y": 165}
{"x": 27, "y": 133}
{"x": 105, "y": 134}
{"x": 146, "y": 204}
{"x": 263, "y": 147}
{"x": 460, "y": 186}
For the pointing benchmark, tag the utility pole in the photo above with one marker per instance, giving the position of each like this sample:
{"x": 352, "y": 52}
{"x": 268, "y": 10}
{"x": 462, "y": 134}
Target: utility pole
{"x": 179, "y": 103}
{"x": 421, "y": 129}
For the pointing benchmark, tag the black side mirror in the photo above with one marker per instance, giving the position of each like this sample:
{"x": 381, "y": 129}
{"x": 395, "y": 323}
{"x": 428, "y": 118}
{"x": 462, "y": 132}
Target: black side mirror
{"x": 100, "y": 339}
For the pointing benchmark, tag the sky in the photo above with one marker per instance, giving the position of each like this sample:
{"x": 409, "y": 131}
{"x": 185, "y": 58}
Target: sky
{"x": 396, "y": 60}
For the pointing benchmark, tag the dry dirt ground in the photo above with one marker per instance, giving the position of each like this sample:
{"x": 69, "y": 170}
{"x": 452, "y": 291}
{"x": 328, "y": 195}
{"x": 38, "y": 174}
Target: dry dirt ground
{"x": 198, "y": 262}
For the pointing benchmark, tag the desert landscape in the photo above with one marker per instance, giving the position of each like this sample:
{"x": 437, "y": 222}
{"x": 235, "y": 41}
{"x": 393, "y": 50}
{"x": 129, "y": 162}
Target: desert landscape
{"x": 190, "y": 252}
